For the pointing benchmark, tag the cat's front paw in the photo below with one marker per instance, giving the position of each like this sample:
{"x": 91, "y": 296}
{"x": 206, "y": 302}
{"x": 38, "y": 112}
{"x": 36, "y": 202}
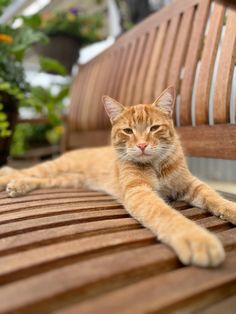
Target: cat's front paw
{"x": 17, "y": 188}
{"x": 4, "y": 180}
{"x": 199, "y": 248}
{"x": 227, "y": 211}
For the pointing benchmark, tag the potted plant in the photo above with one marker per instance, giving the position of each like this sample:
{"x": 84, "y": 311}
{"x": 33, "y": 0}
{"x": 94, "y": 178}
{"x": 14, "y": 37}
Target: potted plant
{"x": 14, "y": 90}
{"x": 67, "y": 32}
{"x": 13, "y": 87}
{"x": 48, "y": 103}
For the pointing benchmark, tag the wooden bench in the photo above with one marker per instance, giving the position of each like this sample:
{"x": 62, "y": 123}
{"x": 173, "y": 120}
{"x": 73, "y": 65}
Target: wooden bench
{"x": 77, "y": 251}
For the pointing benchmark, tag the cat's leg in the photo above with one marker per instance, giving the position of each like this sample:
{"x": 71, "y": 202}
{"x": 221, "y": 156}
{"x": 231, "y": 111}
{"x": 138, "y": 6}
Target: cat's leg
{"x": 46, "y": 169}
{"x": 4, "y": 171}
{"x": 192, "y": 244}
{"x": 23, "y": 185}
{"x": 201, "y": 195}
{"x": 5, "y": 179}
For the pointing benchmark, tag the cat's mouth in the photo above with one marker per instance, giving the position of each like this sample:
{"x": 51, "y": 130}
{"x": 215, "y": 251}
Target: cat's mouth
{"x": 144, "y": 154}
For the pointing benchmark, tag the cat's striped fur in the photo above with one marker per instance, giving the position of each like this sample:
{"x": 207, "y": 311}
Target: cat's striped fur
{"x": 143, "y": 168}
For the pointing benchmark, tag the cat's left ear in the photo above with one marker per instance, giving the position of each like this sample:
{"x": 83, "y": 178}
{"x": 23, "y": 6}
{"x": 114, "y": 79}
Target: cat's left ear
{"x": 113, "y": 108}
{"x": 165, "y": 102}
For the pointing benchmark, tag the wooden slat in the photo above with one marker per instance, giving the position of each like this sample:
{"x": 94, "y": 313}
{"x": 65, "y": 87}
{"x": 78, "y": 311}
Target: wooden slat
{"x": 49, "y": 195}
{"x": 86, "y": 116}
{"x": 218, "y": 141}
{"x": 42, "y": 211}
{"x": 51, "y": 192}
{"x": 112, "y": 72}
{"x": 148, "y": 92}
{"x": 134, "y": 72}
{"x": 105, "y": 269}
{"x": 120, "y": 72}
{"x": 192, "y": 58}
{"x": 227, "y": 60}
{"x": 54, "y": 253}
{"x": 36, "y": 238}
{"x": 207, "y": 64}
{"x": 127, "y": 71}
{"x": 180, "y": 289}
{"x": 28, "y": 225}
{"x": 167, "y": 51}
{"x": 44, "y": 202}
{"x": 177, "y": 60}
{"x": 140, "y": 79}
{"x": 75, "y": 96}
{"x": 83, "y": 93}
{"x": 226, "y": 306}
{"x": 107, "y": 80}
{"x": 96, "y": 113}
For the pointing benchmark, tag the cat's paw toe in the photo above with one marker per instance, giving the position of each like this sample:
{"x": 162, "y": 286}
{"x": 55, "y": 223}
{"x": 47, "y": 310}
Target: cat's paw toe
{"x": 228, "y": 212}
{"x": 200, "y": 250}
{"x": 3, "y": 183}
{"x": 16, "y": 188}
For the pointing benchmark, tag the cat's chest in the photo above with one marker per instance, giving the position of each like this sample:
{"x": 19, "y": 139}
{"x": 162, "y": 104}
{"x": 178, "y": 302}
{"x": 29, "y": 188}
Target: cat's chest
{"x": 166, "y": 190}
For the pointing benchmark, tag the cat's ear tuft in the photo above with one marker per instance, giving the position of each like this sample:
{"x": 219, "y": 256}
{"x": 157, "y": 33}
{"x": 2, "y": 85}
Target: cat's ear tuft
{"x": 165, "y": 102}
{"x": 113, "y": 108}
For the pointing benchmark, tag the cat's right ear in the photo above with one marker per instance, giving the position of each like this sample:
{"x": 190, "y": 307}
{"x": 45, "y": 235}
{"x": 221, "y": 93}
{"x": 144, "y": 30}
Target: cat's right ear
{"x": 113, "y": 108}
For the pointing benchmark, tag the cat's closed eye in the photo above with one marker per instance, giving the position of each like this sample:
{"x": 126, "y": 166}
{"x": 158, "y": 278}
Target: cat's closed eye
{"x": 154, "y": 128}
{"x": 128, "y": 131}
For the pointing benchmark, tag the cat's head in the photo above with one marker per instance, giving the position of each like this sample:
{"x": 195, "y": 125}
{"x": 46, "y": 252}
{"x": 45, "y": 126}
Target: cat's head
{"x": 143, "y": 132}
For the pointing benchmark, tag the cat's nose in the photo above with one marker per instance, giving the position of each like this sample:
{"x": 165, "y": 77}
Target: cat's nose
{"x": 142, "y": 146}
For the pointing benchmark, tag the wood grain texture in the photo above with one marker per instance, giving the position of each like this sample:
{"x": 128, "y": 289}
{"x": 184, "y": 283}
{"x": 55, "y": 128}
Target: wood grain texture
{"x": 165, "y": 49}
{"x": 226, "y": 306}
{"x": 179, "y": 53}
{"x": 135, "y": 70}
{"x": 149, "y": 92}
{"x": 218, "y": 141}
{"x": 143, "y": 296}
{"x": 127, "y": 71}
{"x": 192, "y": 59}
{"x": 225, "y": 69}
{"x": 61, "y": 251}
{"x": 167, "y": 52}
{"x": 145, "y": 61}
{"x": 207, "y": 64}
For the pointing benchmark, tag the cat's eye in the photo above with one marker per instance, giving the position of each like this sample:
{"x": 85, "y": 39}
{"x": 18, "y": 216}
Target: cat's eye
{"x": 154, "y": 127}
{"x": 128, "y": 131}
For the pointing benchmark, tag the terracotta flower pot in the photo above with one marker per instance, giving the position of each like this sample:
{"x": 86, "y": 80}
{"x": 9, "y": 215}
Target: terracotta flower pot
{"x": 63, "y": 48}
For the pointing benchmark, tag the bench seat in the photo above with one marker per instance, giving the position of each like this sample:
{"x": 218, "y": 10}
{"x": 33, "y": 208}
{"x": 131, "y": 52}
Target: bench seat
{"x": 79, "y": 251}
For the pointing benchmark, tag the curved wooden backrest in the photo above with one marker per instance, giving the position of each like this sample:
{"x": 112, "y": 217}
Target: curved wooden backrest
{"x": 190, "y": 44}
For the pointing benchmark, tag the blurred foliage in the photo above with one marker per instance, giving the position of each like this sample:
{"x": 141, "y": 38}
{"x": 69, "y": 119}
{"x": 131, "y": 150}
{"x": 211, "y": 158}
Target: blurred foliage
{"x": 4, "y": 124}
{"x": 49, "y": 65}
{"x": 3, "y": 5}
{"x": 83, "y": 27}
{"x": 48, "y": 104}
{"x": 14, "y": 43}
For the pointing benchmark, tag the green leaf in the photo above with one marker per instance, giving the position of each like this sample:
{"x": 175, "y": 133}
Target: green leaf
{"x": 63, "y": 93}
{"x": 33, "y": 21}
{"x": 24, "y": 39}
{"x": 51, "y": 65}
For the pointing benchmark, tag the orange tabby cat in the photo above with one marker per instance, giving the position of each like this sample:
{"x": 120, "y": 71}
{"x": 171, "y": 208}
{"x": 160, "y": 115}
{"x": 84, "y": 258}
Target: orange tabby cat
{"x": 144, "y": 166}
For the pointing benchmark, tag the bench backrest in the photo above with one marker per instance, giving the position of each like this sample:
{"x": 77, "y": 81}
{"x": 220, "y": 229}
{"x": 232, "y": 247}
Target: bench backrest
{"x": 190, "y": 44}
